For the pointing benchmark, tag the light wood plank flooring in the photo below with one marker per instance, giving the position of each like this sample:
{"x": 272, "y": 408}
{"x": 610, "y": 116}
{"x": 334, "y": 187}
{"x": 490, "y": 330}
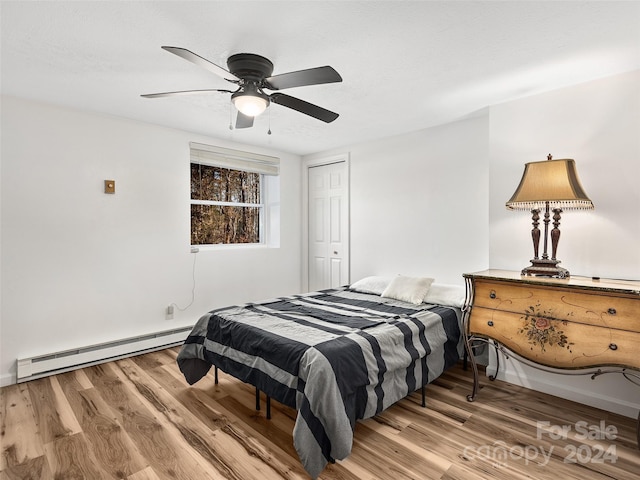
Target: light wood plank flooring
{"x": 138, "y": 419}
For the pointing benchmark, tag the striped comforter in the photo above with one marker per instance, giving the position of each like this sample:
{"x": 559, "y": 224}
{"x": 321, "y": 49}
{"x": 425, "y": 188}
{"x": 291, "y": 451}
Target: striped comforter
{"x": 335, "y": 355}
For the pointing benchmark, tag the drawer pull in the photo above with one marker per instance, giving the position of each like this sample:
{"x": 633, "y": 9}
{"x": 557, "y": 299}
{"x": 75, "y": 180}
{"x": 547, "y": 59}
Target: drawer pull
{"x": 490, "y": 323}
{"x": 613, "y": 346}
{"x": 612, "y": 311}
{"x": 492, "y": 294}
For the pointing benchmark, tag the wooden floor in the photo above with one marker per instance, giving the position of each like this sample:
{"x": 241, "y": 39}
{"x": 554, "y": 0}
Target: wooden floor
{"x": 138, "y": 419}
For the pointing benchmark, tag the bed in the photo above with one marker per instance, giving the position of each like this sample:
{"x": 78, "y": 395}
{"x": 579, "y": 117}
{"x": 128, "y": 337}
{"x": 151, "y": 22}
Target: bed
{"x": 335, "y": 355}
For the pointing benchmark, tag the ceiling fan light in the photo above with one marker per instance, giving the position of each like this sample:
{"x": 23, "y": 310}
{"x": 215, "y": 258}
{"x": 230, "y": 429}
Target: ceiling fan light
{"x": 250, "y": 104}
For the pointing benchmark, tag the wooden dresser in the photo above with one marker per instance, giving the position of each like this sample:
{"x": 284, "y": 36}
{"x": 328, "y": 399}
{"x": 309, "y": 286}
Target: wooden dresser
{"x": 579, "y": 324}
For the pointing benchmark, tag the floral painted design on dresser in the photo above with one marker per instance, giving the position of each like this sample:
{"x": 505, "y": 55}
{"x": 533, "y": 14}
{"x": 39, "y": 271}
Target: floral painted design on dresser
{"x": 540, "y": 329}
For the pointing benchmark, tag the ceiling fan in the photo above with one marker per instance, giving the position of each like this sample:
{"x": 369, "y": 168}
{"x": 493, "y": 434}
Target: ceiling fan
{"x": 252, "y": 75}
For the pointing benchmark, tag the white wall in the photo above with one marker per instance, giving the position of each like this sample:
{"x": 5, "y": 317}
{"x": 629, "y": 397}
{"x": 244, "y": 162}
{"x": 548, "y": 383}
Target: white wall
{"x": 419, "y": 202}
{"x": 598, "y": 125}
{"x": 432, "y": 202}
{"x": 82, "y": 267}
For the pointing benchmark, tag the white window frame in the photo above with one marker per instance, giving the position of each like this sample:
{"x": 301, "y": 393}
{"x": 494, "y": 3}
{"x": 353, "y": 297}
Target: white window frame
{"x": 238, "y": 160}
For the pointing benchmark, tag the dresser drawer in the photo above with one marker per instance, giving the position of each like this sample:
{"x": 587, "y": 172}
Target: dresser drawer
{"x": 556, "y": 343}
{"x": 593, "y": 308}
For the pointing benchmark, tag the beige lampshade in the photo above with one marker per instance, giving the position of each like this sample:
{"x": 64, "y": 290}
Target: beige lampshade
{"x": 553, "y": 181}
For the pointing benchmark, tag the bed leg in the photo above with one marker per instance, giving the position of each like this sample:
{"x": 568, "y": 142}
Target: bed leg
{"x": 268, "y": 407}
{"x": 257, "y": 399}
{"x": 424, "y": 401}
{"x": 215, "y": 374}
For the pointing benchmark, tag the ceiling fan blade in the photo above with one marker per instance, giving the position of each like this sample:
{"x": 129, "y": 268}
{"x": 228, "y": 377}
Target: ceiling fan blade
{"x": 244, "y": 121}
{"x": 203, "y": 62}
{"x": 304, "y": 107}
{"x": 183, "y": 92}
{"x": 312, "y": 76}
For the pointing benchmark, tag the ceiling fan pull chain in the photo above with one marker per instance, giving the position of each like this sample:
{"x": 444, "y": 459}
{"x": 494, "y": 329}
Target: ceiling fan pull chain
{"x": 230, "y": 117}
{"x": 269, "y": 131}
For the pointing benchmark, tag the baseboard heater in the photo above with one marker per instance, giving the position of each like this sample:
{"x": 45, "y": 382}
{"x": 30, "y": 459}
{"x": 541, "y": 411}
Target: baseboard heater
{"x": 65, "y": 361}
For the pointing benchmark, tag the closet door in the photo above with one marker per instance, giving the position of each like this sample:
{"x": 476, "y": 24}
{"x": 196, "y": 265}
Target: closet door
{"x": 328, "y": 226}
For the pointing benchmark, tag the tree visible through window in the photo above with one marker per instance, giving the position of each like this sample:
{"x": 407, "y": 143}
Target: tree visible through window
{"x": 226, "y": 205}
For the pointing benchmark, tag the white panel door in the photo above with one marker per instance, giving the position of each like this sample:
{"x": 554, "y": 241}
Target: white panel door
{"x": 328, "y": 226}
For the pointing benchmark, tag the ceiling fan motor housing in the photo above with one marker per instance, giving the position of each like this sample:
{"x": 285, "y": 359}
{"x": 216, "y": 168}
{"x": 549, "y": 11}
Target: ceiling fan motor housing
{"x": 250, "y": 66}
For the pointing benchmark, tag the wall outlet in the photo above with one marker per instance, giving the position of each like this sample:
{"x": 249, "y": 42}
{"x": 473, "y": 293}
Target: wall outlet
{"x": 169, "y": 312}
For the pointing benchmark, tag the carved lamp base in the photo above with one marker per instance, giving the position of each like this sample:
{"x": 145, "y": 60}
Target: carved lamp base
{"x": 545, "y": 268}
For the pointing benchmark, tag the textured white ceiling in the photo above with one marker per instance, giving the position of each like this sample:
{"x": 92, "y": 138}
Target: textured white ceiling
{"x": 406, "y": 65}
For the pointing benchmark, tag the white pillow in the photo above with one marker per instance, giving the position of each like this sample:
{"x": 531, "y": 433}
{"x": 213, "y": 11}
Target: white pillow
{"x": 442, "y": 294}
{"x": 374, "y": 284}
{"x": 408, "y": 289}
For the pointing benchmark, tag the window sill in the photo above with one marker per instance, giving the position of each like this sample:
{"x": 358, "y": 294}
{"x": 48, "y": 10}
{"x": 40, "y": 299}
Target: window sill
{"x": 229, "y": 246}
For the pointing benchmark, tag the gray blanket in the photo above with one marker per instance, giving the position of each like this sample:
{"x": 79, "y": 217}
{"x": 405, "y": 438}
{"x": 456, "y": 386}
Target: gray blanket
{"x": 335, "y": 355}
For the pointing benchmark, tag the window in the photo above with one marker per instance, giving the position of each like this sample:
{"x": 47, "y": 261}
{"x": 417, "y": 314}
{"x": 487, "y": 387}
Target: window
{"x": 228, "y": 195}
{"x": 226, "y": 205}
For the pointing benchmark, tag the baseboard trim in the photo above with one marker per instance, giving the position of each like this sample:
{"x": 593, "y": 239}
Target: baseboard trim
{"x": 544, "y": 382}
{"x": 7, "y": 379}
